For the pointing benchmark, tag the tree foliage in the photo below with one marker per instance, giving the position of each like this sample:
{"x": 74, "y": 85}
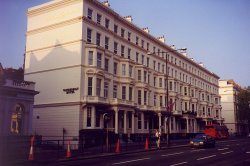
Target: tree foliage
{"x": 243, "y": 103}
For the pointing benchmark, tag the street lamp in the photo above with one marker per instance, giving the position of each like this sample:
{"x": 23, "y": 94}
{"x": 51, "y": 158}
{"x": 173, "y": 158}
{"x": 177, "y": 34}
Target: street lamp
{"x": 168, "y": 115}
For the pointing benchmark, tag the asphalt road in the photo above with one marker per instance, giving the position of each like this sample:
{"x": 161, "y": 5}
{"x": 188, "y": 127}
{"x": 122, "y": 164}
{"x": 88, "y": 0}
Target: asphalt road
{"x": 226, "y": 153}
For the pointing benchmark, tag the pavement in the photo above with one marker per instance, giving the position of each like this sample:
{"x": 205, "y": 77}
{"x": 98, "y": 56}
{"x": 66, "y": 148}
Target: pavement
{"x": 48, "y": 156}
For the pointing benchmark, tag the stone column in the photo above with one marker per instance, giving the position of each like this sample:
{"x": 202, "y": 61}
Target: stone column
{"x": 133, "y": 123}
{"x": 125, "y": 122}
{"x": 187, "y": 125}
{"x": 94, "y": 83}
{"x": 93, "y": 117}
{"x": 159, "y": 116}
{"x": 170, "y": 125}
{"x": 116, "y": 120}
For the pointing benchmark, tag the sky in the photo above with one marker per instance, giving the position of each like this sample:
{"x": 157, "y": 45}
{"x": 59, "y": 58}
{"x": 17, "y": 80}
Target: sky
{"x": 216, "y": 32}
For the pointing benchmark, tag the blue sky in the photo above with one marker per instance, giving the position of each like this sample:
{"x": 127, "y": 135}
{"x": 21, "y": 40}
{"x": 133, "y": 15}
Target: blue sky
{"x": 216, "y": 32}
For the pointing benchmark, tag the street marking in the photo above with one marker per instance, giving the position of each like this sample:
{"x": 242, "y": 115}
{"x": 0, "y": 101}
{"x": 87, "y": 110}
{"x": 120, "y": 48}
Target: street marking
{"x": 129, "y": 161}
{"x": 172, "y": 154}
{"x": 223, "y": 149}
{"x": 197, "y": 150}
{"x": 205, "y": 157}
{"x": 179, "y": 163}
{"x": 227, "y": 152}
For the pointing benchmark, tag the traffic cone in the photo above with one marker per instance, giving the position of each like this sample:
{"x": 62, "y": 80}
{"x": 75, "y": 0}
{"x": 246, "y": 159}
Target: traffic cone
{"x": 31, "y": 156}
{"x": 146, "y": 144}
{"x": 31, "y": 153}
{"x": 68, "y": 150}
{"x": 117, "y": 150}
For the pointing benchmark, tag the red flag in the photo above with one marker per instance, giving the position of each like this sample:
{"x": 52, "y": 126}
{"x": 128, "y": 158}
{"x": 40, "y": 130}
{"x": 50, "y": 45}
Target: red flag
{"x": 170, "y": 107}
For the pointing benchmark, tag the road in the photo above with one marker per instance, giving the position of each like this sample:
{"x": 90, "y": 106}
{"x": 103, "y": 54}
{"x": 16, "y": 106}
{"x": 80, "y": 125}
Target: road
{"x": 235, "y": 152}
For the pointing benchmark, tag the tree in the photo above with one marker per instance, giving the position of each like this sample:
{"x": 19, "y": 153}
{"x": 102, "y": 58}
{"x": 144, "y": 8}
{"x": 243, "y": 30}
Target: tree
{"x": 243, "y": 103}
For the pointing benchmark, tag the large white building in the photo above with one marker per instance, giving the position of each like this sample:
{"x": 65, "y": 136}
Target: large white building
{"x": 87, "y": 60}
{"x": 229, "y": 92}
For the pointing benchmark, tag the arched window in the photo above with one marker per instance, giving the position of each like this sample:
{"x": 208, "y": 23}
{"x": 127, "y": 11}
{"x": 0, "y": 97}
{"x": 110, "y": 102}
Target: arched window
{"x": 17, "y": 120}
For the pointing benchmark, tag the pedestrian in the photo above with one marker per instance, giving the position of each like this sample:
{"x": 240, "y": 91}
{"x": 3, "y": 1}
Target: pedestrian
{"x": 158, "y": 138}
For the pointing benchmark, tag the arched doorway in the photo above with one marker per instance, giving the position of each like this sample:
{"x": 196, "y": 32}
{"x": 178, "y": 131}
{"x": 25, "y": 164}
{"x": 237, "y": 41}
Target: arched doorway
{"x": 17, "y": 120}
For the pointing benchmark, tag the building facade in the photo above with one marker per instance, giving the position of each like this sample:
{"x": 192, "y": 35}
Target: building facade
{"x": 229, "y": 91}
{"x": 89, "y": 62}
{"x": 16, "y": 108}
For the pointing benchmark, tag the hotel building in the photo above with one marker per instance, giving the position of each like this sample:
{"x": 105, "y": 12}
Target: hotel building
{"x": 91, "y": 64}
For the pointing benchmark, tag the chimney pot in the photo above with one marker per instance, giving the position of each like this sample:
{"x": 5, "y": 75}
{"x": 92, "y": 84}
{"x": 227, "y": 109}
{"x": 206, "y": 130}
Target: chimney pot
{"x": 146, "y": 29}
{"x": 162, "y": 39}
{"x": 106, "y": 3}
{"x": 129, "y": 18}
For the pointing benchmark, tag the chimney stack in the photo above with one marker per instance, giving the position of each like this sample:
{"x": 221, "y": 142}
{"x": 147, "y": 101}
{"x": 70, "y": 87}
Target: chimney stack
{"x": 173, "y": 47}
{"x": 146, "y": 29}
{"x": 106, "y": 3}
{"x": 184, "y": 53}
{"x": 162, "y": 39}
{"x": 129, "y": 18}
{"x": 201, "y": 64}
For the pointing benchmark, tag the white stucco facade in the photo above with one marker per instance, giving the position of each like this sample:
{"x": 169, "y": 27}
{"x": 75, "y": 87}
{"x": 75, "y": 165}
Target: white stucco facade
{"x": 228, "y": 92}
{"x": 87, "y": 60}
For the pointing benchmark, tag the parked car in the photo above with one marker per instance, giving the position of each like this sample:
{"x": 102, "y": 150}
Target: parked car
{"x": 202, "y": 140}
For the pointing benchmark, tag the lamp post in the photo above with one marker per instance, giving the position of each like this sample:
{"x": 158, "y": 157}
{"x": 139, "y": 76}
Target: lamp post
{"x": 168, "y": 115}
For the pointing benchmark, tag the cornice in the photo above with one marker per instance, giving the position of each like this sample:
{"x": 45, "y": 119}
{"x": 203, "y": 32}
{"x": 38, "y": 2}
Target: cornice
{"x": 43, "y": 8}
